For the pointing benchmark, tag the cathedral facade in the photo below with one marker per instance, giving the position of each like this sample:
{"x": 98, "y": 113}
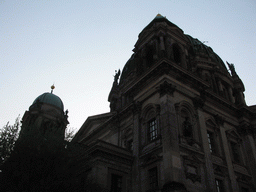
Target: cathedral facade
{"x": 178, "y": 121}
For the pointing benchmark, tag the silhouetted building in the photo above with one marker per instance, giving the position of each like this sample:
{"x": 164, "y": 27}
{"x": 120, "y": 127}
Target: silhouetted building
{"x": 45, "y": 116}
{"x": 178, "y": 121}
{"x": 40, "y": 158}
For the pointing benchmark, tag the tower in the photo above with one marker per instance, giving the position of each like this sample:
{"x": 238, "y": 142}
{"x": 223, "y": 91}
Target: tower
{"x": 39, "y": 158}
{"x": 45, "y": 116}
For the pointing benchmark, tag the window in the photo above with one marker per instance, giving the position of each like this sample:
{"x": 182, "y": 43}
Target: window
{"x": 235, "y": 152}
{"x": 176, "y": 53}
{"x": 116, "y": 183}
{"x": 187, "y": 128}
{"x": 219, "y": 185}
{"x": 153, "y": 179}
{"x": 130, "y": 144}
{"x": 152, "y": 130}
{"x": 211, "y": 141}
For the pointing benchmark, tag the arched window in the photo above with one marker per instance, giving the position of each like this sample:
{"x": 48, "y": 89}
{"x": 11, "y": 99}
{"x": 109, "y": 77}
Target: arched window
{"x": 212, "y": 136}
{"x": 152, "y": 129}
{"x": 187, "y": 128}
{"x": 150, "y": 124}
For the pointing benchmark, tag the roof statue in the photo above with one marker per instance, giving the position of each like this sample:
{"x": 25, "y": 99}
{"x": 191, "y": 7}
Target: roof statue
{"x": 231, "y": 68}
{"x": 116, "y": 77}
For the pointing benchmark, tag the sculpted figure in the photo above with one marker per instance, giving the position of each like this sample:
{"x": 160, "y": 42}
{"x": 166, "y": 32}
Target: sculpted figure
{"x": 116, "y": 77}
{"x": 231, "y": 68}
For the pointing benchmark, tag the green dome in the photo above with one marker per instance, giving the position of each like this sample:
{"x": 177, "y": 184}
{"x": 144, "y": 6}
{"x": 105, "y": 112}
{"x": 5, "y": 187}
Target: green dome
{"x": 51, "y": 99}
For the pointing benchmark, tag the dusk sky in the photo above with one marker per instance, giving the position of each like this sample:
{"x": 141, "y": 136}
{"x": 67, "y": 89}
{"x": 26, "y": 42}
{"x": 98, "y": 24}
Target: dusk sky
{"x": 77, "y": 45}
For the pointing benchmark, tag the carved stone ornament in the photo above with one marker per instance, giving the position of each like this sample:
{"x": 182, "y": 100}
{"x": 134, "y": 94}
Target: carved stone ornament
{"x": 136, "y": 107}
{"x": 219, "y": 119}
{"x": 166, "y": 88}
{"x": 151, "y": 158}
{"x": 218, "y": 170}
{"x": 198, "y": 102}
{"x": 192, "y": 168}
{"x": 244, "y": 179}
{"x": 246, "y": 129}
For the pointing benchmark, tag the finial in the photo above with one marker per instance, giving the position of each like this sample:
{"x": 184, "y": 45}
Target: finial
{"x": 52, "y": 87}
{"x": 159, "y": 15}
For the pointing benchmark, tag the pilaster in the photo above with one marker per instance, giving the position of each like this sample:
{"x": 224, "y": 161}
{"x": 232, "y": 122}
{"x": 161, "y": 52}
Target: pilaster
{"x": 136, "y": 184}
{"x": 210, "y": 182}
{"x": 247, "y": 131}
{"x": 231, "y": 172}
{"x": 168, "y": 124}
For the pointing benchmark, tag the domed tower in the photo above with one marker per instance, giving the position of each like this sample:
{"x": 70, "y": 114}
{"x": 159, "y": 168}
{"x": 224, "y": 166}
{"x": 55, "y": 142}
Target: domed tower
{"x": 183, "y": 114}
{"x": 45, "y": 116}
{"x": 163, "y": 43}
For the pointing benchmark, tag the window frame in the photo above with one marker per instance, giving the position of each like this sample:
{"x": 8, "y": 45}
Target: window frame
{"x": 152, "y": 134}
{"x": 186, "y": 118}
{"x": 214, "y": 130}
{"x": 235, "y": 158}
{"x": 212, "y": 142}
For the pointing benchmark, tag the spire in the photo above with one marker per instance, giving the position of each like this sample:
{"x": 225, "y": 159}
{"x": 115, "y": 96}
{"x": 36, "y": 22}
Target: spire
{"x": 52, "y": 87}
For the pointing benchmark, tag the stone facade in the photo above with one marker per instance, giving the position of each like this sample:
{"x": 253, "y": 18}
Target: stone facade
{"x": 178, "y": 121}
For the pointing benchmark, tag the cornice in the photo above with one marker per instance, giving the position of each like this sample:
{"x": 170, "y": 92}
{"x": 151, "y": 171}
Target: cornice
{"x": 165, "y": 66}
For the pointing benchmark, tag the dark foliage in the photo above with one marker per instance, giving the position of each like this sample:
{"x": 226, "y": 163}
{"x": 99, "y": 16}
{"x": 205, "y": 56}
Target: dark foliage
{"x": 40, "y": 163}
{"x": 8, "y": 136}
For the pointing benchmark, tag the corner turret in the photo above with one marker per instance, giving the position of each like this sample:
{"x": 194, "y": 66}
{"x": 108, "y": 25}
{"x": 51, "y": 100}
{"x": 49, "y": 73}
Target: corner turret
{"x": 45, "y": 116}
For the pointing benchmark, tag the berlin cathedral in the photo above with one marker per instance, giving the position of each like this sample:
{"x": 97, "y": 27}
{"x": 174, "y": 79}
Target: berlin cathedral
{"x": 178, "y": 121}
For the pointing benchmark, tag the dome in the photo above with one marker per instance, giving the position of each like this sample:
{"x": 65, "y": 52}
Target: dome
{"x": 51, "y": 99}
{"x": 195, "y": 47}
{"x": 200, "y": 48}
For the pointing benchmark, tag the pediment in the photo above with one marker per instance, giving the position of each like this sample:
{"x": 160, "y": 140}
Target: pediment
{"x": 92, "y": 124}
{"x": 233, "y": 134}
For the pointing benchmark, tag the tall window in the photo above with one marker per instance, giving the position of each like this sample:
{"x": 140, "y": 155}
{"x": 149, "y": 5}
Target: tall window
{"x": 235, "y": 152}
{"x": 152, "y": 130}
{"x": 211, "y": 141}
{"x": 130, "y": 144}
{"x": 116, "y": 183}
{"x": 153, "y": 179}
{"x": 176, "y": 53}
{"x": 219, "y": 185}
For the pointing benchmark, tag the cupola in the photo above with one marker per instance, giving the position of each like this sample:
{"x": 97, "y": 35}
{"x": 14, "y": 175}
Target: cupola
{"x": 46, "y": 116}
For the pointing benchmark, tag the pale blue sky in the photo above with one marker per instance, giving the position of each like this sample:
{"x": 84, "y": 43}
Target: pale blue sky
{"x": 78, "y": 45}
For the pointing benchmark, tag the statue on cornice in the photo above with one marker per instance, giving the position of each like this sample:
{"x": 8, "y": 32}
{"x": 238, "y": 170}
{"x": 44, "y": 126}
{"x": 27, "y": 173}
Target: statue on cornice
{"x": 116, "y": 77}
{"x": 231, "y": 68}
